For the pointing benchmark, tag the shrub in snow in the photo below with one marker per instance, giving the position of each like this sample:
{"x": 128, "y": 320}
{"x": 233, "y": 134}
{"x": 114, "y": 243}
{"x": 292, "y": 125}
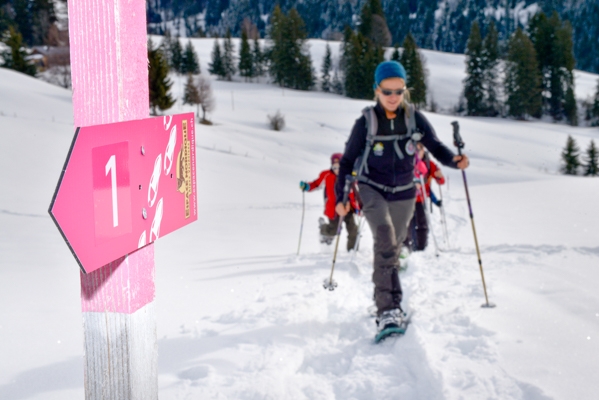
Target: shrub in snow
{"x": 277, "y": 121}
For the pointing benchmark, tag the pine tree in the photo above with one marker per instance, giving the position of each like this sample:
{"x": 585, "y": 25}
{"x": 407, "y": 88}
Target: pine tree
{"x": 337, "y": 83}
{"x": 591, "y": 165}
{"x": 474, "y": 91}
{"x": 15, "y": 56}
{"x": 412, "y": 62}
{"x": 190, "y": 63}
{"x": 570, "y": 157}
{"x": 290, "y": 62}
{"x": 32, "y": 18}
{"x": 360, "y": 59}
{"x": 159, "y": 83}
{"x": 553, "y": 43}
{"x": 191, "y": 95}
{"x": 246, "y": 64}
{"x": 570, "y": 107}
{"x": 373, "y": 24}
{"x": 216, "y": 67}
{"x": 522, "y": 80}
{"x": 395, "y": 56}
{"x": 595, "y": 108}
{"x": 229, "y": 57}
{"x": 490, "y": 57}
{"x": 257, "y": 58}
{"x": 327, "y": 64}
{"x": 176, "y": 61}
{"x": 166, "y": 47}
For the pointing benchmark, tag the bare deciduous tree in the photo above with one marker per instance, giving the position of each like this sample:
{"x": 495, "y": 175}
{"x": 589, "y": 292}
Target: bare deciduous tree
{"x": 206, "y": 98}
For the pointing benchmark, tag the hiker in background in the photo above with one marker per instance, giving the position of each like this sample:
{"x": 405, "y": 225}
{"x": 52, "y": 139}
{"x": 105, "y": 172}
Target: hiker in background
{"x": 384, "y": 137}
{"x": 417, "y": 237}
{"x": 328, "y": 229}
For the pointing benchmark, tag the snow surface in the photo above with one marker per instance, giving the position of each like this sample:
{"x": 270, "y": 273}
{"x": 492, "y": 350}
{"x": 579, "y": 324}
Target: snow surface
{"x": 241, "y": 316}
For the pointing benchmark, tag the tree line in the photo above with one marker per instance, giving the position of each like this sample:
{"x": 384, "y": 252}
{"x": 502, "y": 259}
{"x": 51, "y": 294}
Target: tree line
{"x": 170, "y": 56}
{"x": 538, "y": 72}
{"x": 27, "y": 23}
{"x": 572, "y": 163}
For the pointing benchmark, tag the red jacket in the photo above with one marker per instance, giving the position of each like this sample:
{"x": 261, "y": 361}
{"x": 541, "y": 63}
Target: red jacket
{"x": 329, "y": 178}
{"x": 428, "y": 178}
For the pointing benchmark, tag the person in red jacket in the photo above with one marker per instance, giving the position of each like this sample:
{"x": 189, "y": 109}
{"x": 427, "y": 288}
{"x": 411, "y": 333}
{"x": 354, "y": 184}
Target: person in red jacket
{"x": 329, "y": 230}
{"x": 418, "y": 230}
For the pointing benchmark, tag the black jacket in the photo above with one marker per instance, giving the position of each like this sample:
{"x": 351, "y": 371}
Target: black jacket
{"x": 384, "y": 166}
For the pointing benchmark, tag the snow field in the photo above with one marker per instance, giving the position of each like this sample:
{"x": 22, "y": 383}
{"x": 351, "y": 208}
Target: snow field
{"x": 240, "y": 316}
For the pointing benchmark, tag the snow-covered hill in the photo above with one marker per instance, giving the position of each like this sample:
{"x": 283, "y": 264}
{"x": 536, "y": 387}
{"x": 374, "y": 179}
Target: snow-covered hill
{"x": 240, "y": 316}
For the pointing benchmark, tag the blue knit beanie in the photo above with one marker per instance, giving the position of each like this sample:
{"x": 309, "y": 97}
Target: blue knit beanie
{"x": 388, "y": 69}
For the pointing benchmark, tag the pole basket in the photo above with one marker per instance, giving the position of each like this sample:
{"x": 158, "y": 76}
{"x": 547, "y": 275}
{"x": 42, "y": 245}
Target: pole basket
{"x": 329, "y": 284}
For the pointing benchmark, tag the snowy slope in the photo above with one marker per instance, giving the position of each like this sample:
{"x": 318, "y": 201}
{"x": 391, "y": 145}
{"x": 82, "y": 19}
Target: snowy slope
{"x": 240, "y": 316}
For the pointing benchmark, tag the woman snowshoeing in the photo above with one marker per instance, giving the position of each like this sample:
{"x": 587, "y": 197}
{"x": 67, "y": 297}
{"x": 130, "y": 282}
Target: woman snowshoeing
{"x": 385, "y": 138}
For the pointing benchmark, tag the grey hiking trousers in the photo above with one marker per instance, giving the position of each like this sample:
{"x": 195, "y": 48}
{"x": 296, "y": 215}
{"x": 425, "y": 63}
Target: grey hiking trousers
{"x": 388, "y": 221}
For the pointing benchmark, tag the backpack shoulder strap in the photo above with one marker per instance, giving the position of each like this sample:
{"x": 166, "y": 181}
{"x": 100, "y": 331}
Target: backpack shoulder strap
{"x": 410, "y": 117}
{"x": 371, "y": 129}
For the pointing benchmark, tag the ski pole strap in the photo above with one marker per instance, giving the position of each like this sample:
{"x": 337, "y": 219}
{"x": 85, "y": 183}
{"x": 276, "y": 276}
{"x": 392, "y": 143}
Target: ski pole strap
{"x": 385, "y": 188}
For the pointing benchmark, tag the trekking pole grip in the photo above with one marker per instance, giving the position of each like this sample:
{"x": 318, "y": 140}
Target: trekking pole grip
{"x": 457, "y": 138}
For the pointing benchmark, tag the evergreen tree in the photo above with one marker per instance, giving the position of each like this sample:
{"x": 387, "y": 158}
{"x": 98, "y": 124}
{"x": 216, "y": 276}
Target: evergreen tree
{"x": 159, "y": 83}
{"x": 216, "y": 66}
{"x": 32, "y": 18}
{"x": 290, "y": 63}
{"x": 191, "y": 95}
{"x": 190, "y": 63}
{"x": 229, "y": 57}
{"x": 257, "y": 58}
{"x": 176, "y": 53}
{"x": 591, "y": 165}
{"x": 595, "y": 108}
{"x": 570, "y": 157}
{"x": 361, "y": 58}
{"x": 474, "y": 90}
{"x": 337, "y": 83}
{"x": 412, "y": 62}
{"x": 395, "y": 56}
{"x": 553, "y": 43}
{"x": 15, "y": 56}
{"x": 246, "y": 62}
{"x": 373, "y": 24}
{"x": 570, "y": 107}
{"x": 327, "y": 64}
{"x": 522, "y": 80}
{"x": 166, "y": 47}
{"x": 490, "y": 61}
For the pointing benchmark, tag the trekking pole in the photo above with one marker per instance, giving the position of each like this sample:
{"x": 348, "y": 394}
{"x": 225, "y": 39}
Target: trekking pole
{"x": 330, "y": 283}
{"x": 459, "y": 143}
{"x": 302, "y": 225}
{"x": 427, "y": 214}
{"x": 443, "y": 219}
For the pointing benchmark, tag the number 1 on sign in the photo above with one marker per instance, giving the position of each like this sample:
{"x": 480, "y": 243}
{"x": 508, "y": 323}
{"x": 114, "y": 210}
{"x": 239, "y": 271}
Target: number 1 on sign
{"x": 111, "y": 167}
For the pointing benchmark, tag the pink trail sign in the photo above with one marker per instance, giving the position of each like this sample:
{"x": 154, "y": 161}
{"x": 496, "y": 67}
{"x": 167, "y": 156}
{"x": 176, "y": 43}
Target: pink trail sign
{"x": 124, "y": 185}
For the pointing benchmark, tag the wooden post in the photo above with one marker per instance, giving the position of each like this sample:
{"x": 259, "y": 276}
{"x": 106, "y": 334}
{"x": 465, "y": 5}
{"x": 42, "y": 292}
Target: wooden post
{"x": 109, "y": 65}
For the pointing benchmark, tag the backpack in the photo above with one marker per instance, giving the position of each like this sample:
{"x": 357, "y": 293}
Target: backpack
{"x": 371, "y": 137}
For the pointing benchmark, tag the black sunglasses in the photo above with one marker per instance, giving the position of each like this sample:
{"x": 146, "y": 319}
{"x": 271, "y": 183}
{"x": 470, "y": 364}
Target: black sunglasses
{"x": 388, "y": 92}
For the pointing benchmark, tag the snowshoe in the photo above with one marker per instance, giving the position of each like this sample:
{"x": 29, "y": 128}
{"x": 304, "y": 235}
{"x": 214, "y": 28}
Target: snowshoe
{"x": 326, "y": 239}
{"x": 391, "y": 323}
